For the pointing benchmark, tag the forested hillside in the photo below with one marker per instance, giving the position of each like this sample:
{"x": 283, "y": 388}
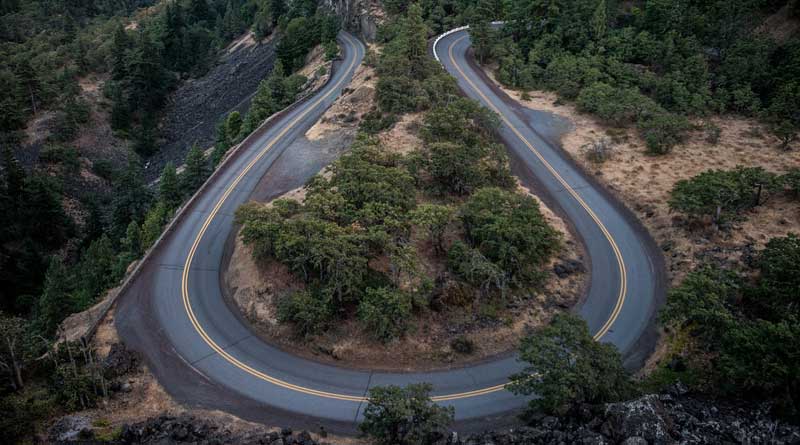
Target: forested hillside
{"x": 74, "y": 217}
{"x": 651, "y": 63}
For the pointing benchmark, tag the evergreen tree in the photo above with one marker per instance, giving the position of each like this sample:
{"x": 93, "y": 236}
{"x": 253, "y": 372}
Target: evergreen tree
{"x": 169, "y": 191}
{"x": 232, "y": 23}
{"x": 153, "y": 224}
{"x": 131, "y": 199}
{"x": 200, "y": 12}
{"x": 54, "y": 304}
{"x": 277, "y": 8}
{"x": 195, "y": 171}
{"x": 120, "y": 45}
{"x": 600, "y": 20}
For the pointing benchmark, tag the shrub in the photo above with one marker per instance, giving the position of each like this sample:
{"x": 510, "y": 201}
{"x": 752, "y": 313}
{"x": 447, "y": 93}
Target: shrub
{"x": 508, "y": 228}
{"x": 791, "y": 180}
{"x": 309, "y": 313}
{"x": 616, "y": 106}
{"x": 462, "y": 345}
{"x": 385, "y": 313}
{"x": 566, "y": 366}
{"x": 404, "y": 416}
{"x": 663, "y": 131}
{"x": 722, "y": 194}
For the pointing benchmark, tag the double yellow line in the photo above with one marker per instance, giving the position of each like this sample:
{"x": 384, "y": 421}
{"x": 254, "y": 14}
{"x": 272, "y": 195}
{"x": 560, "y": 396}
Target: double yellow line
{"x": 623, "y": 284}
{"x": 310, "y": 391}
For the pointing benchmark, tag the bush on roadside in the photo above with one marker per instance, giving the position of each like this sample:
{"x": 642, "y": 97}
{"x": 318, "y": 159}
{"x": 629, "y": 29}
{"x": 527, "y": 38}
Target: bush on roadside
{"x": 404, "y": 416}
{"x": 385, "y": 313}
{"x": 566, "y": 366}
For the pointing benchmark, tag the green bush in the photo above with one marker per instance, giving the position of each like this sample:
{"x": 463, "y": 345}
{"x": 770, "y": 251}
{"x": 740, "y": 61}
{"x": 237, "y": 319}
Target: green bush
{"x": 566, "y": 366}
{"x": 510, "y": 231}
{"x": 663, "y": 131}
{"x": 309, "y": 313}
{"x": 385, "y": 313}
{"x": 404, "y": 416}
{"x": 722, "y": 194}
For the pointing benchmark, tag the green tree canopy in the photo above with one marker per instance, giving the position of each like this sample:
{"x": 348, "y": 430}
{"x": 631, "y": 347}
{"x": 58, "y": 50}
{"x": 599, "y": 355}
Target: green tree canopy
{"x": 404, "y": 416}
{"x": 566, "y": 366}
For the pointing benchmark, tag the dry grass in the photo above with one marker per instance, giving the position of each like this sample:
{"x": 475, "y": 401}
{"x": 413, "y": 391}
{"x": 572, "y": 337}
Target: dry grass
{"x": 494, "y": 328}
{"x": 643, "y": 182}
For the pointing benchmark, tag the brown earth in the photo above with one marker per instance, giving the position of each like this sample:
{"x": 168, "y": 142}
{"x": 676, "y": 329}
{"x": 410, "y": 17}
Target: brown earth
{"x": 255, "y": 286}
{"x": 643, "y": 182}
{"x": 147, "y": 398}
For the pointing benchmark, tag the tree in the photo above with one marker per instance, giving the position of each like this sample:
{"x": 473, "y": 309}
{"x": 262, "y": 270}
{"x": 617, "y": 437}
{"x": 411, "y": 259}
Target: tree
{"x": 435, "y": 219}
{"x": 566, "y": 366}
{"x": 16, "y": 348}
{"x": 784, "y": 115}
{"x": 779, "y": 282}
{"x": 599, "y": 21}
{"x": 722, "y": 194}
{"x": 154, "y": 224}
{"x": 169, "y": 191}
{"x": 404, "y": 416}
{"x": 195, "y": 170}
{"x": 232, "y": 23}
{"x": 131, "y": 199}
{"x": 308, "y": 312}
{"x": 54, "y": 303}
{"x": 385, "y": 312}
{"x": 509, "y": 229}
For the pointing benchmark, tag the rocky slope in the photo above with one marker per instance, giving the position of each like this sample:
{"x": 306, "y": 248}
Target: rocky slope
{"x": 669, "y": 418}
{"x": 195, "y": 108}
{"x": 361, "y": 17}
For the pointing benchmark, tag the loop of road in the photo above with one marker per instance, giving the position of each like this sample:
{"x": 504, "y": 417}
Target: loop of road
{"x": 205, "y": 354}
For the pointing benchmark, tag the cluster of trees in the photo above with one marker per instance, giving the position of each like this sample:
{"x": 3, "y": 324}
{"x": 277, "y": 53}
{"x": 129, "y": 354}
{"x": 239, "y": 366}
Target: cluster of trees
{"x": 366, "y": 213}
{"x": 722, "y": 195}
{"x": 743, "y": 332}
{"x": 409, "y": 80}
{"x": 652, "y": 64}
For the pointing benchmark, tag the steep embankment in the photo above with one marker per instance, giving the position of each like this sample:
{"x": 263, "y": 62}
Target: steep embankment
{"x": 195, "y": 108}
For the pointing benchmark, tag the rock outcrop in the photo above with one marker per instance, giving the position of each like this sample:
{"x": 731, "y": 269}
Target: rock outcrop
{"x": 361, "y": 17}
{"x": 188, "y": 429}
{"x": 655, "y": 419}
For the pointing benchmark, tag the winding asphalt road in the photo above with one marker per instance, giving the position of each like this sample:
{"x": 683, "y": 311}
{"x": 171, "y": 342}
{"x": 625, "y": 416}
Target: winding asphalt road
{"x": 205, "y": 355}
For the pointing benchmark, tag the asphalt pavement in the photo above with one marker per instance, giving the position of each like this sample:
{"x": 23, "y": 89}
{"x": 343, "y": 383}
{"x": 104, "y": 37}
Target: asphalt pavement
{"x": 205, "y": 355}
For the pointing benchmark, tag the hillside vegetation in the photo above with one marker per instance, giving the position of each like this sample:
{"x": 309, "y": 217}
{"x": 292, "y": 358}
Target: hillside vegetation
{"x": 74, "y": 217}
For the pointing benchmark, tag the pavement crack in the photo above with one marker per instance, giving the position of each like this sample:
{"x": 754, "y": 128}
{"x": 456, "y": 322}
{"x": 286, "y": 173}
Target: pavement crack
{"x": 366, "y": 391}
{"x": 196, "y": 361}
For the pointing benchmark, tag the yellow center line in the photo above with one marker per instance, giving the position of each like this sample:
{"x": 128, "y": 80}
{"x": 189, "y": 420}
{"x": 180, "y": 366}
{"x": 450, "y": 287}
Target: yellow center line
{"x": 623, "y": 285}
{"x": 310, "y": 391}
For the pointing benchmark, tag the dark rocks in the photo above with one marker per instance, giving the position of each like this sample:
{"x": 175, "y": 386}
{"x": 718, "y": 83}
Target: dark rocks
{"x": 189, "y": 429}
{"x": 120, "y": 361}
{"x": 71, "y": 428}
{"x": 567, "y": 268}
{"x": 669, "y": 418}
{"x": 193, "y": 110}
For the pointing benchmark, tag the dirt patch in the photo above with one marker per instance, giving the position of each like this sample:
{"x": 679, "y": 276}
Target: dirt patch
{"x": 143, "y": 398}
{"x": 347, "y": 111}
{"x": 643, "y": 182}
{"x": 403, "y": 137}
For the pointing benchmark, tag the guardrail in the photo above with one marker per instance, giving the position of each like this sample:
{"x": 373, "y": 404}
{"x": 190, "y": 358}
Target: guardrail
{"x": 233, "y": 152}
{"x": 455, "y": 30}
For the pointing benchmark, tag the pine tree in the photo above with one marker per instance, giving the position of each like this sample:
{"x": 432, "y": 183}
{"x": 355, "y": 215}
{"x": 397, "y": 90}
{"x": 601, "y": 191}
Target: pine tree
{"x": 131, "y": 199}
{"x": 195, "y": 171}
{"x": 54, "y": 304}
{"x": 120, "y": 44}
{"x": 600, "y": 20}
{"x": 277, "y": 8}
{"x": 169, "y": 191}
{"x": 232, "y": 23}
{"x": 199, "y": 11}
